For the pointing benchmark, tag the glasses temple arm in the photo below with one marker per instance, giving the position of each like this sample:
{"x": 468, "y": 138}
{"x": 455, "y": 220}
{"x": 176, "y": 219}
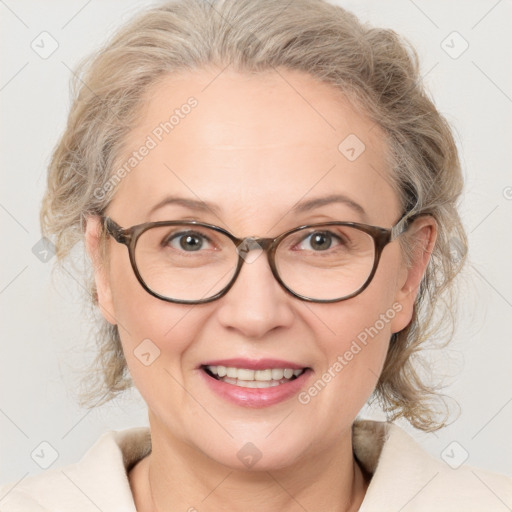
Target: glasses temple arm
{"x": 403, "y": 223}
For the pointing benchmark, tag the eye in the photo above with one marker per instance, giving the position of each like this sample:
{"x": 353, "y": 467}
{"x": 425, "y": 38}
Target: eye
{"x": 188, "y": 241}
{"x": 319, "y": 241}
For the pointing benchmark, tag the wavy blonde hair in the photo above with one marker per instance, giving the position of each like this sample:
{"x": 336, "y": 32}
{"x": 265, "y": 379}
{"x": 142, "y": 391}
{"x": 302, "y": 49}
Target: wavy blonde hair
{"x": 373, "y": 67}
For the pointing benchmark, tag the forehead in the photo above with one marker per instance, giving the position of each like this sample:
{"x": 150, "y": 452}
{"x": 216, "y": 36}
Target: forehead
{"x": 252, "y": 142}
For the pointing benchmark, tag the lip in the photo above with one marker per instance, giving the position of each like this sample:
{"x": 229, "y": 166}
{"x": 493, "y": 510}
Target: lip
{"x": 257, "y": 397}
{"x": 254, "y": 364}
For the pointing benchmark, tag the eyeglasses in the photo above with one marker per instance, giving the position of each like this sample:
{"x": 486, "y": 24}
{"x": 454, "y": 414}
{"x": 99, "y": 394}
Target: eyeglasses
{"x": 191, "y": 262}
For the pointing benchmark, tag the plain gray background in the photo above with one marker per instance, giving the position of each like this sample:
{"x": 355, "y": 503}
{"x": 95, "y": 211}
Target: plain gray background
{"x": 44, "y": 329}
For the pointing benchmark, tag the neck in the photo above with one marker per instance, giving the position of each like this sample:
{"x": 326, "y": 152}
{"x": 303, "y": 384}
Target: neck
{"x": 175, "y": 476}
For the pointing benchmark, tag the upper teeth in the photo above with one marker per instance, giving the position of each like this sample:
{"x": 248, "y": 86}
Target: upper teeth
{"x": 263, "y": 375}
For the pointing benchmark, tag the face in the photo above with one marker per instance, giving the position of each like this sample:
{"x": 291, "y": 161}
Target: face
{"x": 252, "y": 148}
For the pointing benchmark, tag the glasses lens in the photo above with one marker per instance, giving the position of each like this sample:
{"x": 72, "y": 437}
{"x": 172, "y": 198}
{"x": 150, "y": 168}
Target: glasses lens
{"x": 325, "y": 262}
{"x": 185, "y": 262}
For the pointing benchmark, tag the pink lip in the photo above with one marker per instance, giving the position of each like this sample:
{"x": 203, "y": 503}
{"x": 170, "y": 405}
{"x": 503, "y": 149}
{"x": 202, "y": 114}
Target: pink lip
{"x": 256, "y": 397}
{"x": 253, "y": 364}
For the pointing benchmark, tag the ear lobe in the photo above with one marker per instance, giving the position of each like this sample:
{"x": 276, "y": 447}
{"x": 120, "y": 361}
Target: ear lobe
{"x": 422, "y": 238}
{"x": 92, "y": 244}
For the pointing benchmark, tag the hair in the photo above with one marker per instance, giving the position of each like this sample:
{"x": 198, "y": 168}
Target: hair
{"x": 373, "y": 67}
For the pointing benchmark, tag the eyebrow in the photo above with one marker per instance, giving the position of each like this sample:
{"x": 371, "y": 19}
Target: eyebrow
{"x": 191, "y": 204}
{"x": 300, "y": 207}
{"x": 311, "y": 204}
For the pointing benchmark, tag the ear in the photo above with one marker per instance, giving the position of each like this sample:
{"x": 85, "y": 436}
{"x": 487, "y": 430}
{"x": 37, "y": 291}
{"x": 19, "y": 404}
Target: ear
{"x": 101, "y": 276}
{"x": 422, "y": 234}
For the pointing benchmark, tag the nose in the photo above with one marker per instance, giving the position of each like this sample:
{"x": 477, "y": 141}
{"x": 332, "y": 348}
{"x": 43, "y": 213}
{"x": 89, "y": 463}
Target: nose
{"x": 256, "y": 304}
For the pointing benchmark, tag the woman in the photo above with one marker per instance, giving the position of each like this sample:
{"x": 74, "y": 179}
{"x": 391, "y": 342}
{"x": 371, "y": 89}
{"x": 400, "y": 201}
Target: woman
{"x": 266, "y": 195}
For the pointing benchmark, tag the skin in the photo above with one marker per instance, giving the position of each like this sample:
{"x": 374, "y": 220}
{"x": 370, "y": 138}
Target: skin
{"x": 254, "y": 146}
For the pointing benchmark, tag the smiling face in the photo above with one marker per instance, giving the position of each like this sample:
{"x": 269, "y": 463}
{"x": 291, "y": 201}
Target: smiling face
{"x": 247, "y": 157}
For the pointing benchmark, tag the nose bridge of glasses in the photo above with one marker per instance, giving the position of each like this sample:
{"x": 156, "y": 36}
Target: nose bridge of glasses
{"x": 249, "y": 244}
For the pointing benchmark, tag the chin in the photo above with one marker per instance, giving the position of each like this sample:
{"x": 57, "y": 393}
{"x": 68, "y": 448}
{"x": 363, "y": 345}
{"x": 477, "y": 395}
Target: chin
{"x": 258, "y": 455}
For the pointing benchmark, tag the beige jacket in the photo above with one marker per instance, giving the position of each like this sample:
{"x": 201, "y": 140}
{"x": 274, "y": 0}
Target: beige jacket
{"x": 405, "y": 478}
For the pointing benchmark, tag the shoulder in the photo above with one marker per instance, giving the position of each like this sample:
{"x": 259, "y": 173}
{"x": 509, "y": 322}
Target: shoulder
{"x": 407, "y": 478}
{"x": 99, "y": 481}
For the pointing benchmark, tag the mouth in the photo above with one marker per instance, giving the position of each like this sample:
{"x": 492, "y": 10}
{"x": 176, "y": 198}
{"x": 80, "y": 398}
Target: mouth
{"x": 248, "y": 378}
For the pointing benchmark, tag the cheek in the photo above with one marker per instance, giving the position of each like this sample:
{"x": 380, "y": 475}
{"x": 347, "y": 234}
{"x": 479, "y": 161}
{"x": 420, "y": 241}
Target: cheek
{"x": 154, "y": 333}
{"x": 371, "y": 313}
{"x": 355, "y": 334}
{"x": 354, "y": 339}
{"x": 357, "y": 343}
